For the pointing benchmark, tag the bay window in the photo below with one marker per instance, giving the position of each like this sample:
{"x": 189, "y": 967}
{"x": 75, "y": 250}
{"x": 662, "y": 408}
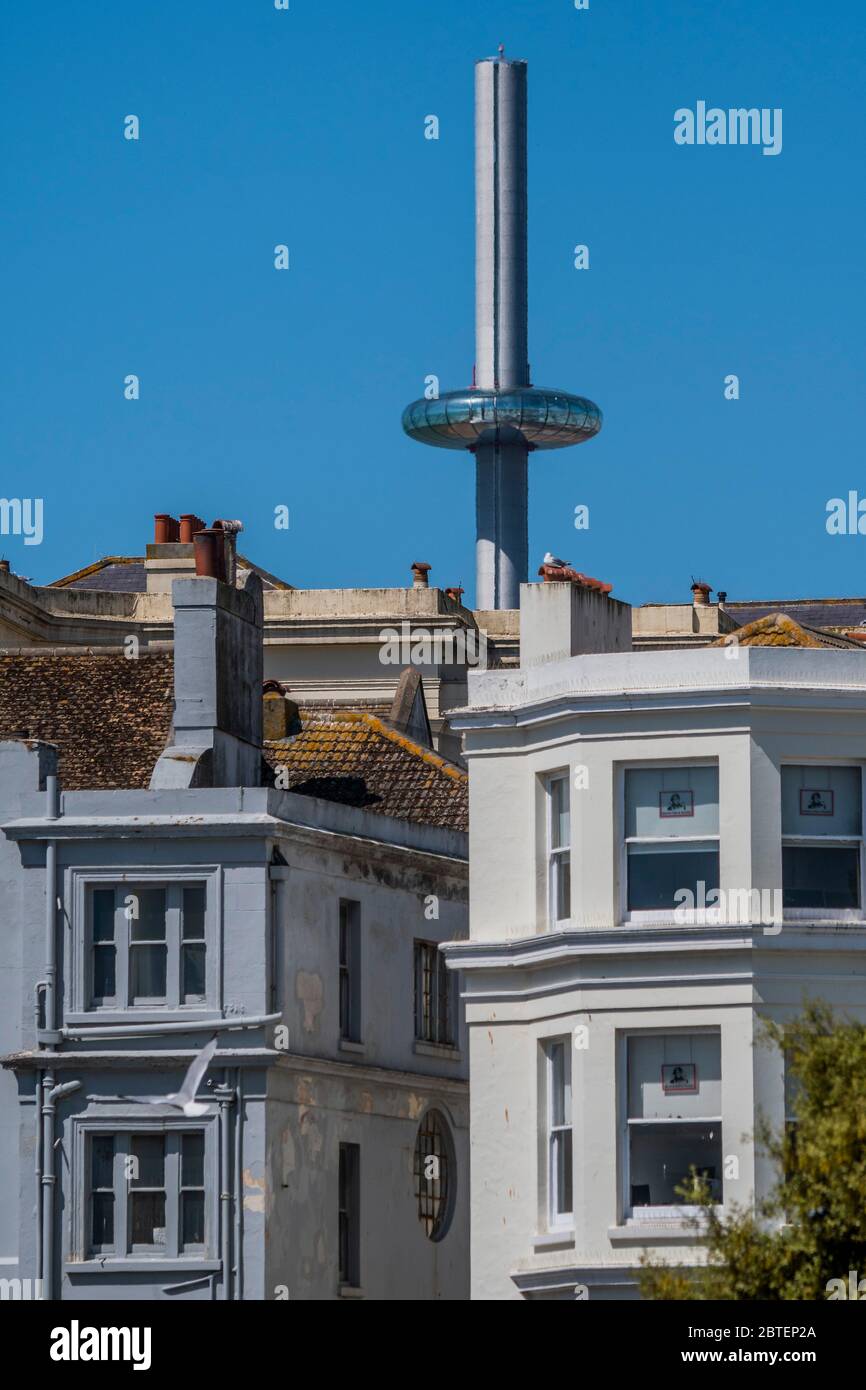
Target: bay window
{"x": 821, "y": 839}
{"x": 147, "y": 1195}
{"x": 673, "y": 1127}
{"x": 671, "y": 836}
{"x": 146, "y": 945}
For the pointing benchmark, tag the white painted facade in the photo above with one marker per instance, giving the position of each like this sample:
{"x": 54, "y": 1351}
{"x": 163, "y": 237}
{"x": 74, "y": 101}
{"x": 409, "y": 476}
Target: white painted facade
{"x": 687, "y": 990}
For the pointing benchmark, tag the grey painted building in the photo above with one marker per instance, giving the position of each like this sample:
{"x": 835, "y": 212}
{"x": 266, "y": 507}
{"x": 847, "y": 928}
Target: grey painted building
{"x": 330, "y": 1157}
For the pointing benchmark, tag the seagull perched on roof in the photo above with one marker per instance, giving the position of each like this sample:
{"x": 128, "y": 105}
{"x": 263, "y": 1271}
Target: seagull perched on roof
{"x": 184, "y": 1099}
{"x": 552, "y": 560}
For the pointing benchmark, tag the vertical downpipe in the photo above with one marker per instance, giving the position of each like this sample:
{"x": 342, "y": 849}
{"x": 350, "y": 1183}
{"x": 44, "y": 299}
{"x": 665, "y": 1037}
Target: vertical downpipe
{"x": 44, "y": 1097}
{"x": 47, "y": 1107}
{"x": 50, "y": 1095}
{"x": 225, "y": 1192}
{"x": 239, "y": 1185}
{"x": 52, "y": 812}
{"x": 38, "y": 1108}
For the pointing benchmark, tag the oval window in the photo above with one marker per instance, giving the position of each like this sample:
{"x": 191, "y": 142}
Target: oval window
{"x": 434, "y": 1174}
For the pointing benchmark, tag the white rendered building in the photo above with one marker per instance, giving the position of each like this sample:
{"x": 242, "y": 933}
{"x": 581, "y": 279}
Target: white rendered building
{"x": 624, "y": 809}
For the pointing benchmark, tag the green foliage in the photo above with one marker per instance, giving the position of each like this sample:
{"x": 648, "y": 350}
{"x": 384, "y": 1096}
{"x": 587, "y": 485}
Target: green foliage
{"x": 812, "y": 1227}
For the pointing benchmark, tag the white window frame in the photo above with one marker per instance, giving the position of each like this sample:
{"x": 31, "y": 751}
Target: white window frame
{"x": 654, "y": 1214}
{"x": 556, "y": 1218}
{"x": 561, "y": 854}
{"x": 658, "y": 914}
{"x": 827, "y": 914}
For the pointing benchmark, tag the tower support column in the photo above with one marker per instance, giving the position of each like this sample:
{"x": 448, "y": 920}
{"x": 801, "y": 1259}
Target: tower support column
{"x": 501, "y": 506}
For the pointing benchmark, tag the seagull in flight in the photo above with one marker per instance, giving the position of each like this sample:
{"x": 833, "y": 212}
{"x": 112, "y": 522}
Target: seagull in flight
{"x": 552, "y": 560}
{"x": 184, "y": 1099}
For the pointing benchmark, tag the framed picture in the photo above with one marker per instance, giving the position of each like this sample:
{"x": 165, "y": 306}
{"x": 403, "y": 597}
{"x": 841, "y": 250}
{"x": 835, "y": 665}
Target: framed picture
{"x": 816, "y": 801}
{"x": 675, "y": 804}
{"x": 680, "y": 1078}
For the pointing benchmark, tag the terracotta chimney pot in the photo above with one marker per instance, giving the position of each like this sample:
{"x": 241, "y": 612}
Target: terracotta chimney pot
{"x": 420, "y": 570}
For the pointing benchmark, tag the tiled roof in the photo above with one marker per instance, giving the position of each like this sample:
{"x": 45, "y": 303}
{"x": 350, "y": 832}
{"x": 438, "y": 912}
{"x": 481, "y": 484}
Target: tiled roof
{"x": 116, "y": 574}
{"x": 126, "y": 574}
{"x": 108, "y": 716}
{"x": 352, "y": 757}
{"x": 780, "y": 630}
{"x": 110, "y": 719}
{"x": 835, "y": 613}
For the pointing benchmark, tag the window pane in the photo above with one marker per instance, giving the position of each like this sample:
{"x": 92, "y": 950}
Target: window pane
{"x": 102, "y": 1161}
{"x": 349, "y": 1187}
{"x": 193, "y": 912}
{"x": 560, "y": 1084}
{"x": 821, "y": 801}
{"x": 103, "y": 914}
{"x": 674, "y": 1076}
{"x": 561, "y": 887}
{"x": 656, "y": 875}
{"x": 671, "y": 801}
{"x": 147, "y": 972}
{"x": 424, "y": 991}
{"x": 562, "y": 1166}
{"x": 149, "y": 924}
{"x": 349, "y": 971}
{"x": 813, "y": 876}
{"x": 192, "y": 1161}
{"x": 444, "y": 996}
{"x": 560, "y": 818}
{"x": 662, "y": 1157}
{"x": 104, "y": 972}
{"x": 148, "y": 1152}
{"x": 148, "y": 1218}
{"x": 102, "y": 1232}
{"x": 193, "y": 966}
{"x": 192, "y": 1218}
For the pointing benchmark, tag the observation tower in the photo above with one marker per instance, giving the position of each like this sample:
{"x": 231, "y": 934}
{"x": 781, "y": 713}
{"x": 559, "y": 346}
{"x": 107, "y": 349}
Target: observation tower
{"x": 502, "y": 417}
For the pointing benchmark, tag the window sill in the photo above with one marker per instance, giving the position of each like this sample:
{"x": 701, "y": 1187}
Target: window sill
{"x": 350, "y": 1291}
{"x": 553, "y": 1240}
{"x": 347, "y": 1045}
{"x": 636, "y": 1230}
{"x": 102, "y": 1018}
{"x": 444, "y": 1051}
{"x": 824, "y": 916}
{"x": 109, "y": 1265}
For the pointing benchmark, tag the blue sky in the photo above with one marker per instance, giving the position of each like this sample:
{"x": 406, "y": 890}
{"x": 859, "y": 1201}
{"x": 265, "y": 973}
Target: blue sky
{"x": 262, "y": 388}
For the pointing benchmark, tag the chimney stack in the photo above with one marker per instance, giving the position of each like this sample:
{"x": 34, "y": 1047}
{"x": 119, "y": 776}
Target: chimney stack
{"x": 218, "y": 668}
{"x": 563, "y": 617}
{"x": 700, "y": 593}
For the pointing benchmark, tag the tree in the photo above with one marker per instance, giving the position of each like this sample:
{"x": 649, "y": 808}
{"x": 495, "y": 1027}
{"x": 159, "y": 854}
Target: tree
{"x": 811, "y": 1229}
